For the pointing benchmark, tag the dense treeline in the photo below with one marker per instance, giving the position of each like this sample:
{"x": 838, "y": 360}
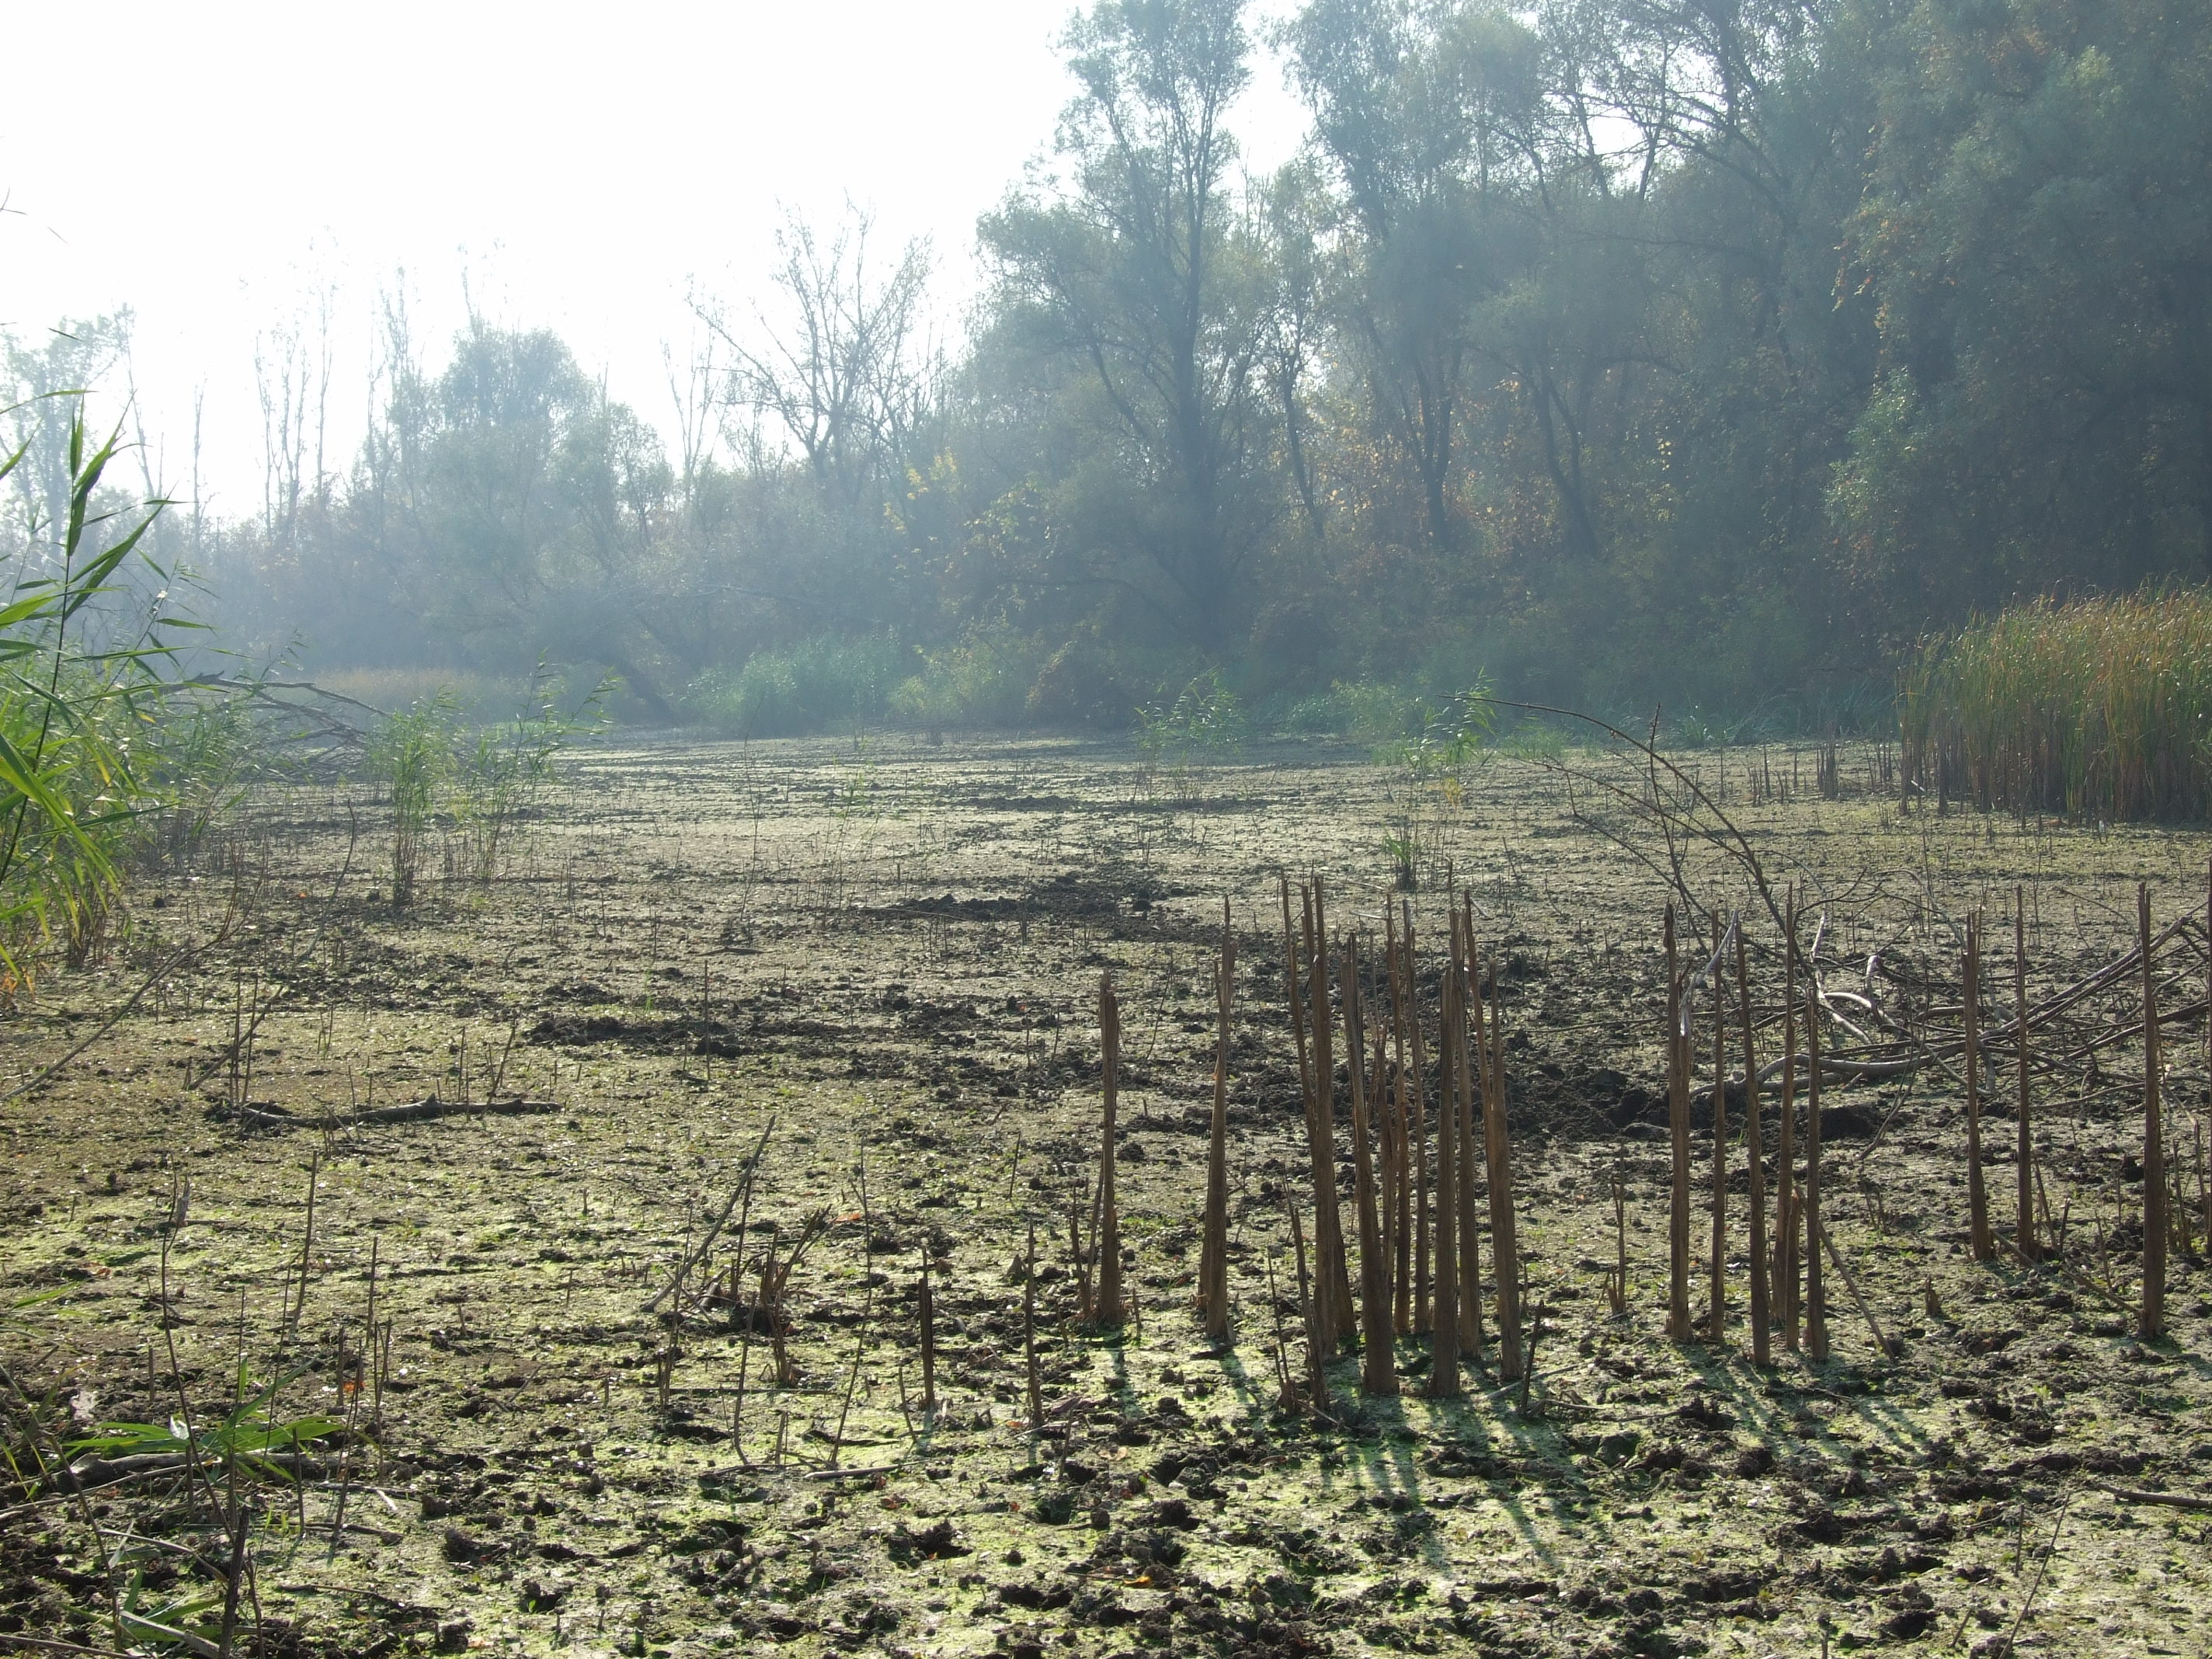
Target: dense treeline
{"x": 1624, "y": 350}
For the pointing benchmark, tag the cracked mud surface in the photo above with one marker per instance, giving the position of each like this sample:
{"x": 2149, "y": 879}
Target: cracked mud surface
{"x": 893, "y": 952}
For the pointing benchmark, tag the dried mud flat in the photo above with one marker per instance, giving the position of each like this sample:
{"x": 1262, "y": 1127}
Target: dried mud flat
{"x": 892, "y": 952}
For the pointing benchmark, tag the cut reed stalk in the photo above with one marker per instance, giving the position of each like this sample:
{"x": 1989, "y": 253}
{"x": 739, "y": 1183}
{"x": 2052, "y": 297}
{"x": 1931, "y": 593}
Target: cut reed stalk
{"x": 1505, "y": 1237}
{"x": 1384, "y": 1122}
{"x": 1077, "y": 1261}
{"x": 1816, "y": 1285}
{"x": 1029, "y": 1340}
{"x": 926, "y": 1311}
{"x": 1413, "y": 1079}
{"x": 1755, "y": 1157}
{"x": 1616, "y": 1288}
{"x": 1443, "y": 1326}
{"x": 1472, "y": 1072}
{"x": 1402, "y": 1204}
{"x": 1378, "y": 1373}
{"x": 1390, "y": 1167}
{"x": 1983, "y": 1244}
{"x": 1110, "y": 1308}
{"x": 1309, "y": 1315}
{"x": 1678, "y": 1124}
{"x": 2023, "y": 1146}
{"x": 1286, "y": 1391}
{"x": 306, "y": 1244}
{"x": 1785, "y": 1243}
{"x": 1313, "y": 1086}
{"x": 2150, "y": 1324}
{"x": 1331, "y": 1270}
{"x": 1213, "y": 1251}
{"x": 1716, "y": 1304}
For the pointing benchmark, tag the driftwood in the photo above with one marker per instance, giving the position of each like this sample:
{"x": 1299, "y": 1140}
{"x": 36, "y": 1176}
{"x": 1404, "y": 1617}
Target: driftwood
{"x": 413, "y": 1111}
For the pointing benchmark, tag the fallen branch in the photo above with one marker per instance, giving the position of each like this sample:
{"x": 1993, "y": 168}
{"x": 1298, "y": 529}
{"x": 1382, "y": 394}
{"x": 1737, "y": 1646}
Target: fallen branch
{"x": 48, "y": 1644}
{"x": 2177, "y": 1500}
{"x": 175, "y": 960}
{"x": 94, "y": 1473}
{"x": 1851, "y": 1283}
{"x": 414, "y": 1111}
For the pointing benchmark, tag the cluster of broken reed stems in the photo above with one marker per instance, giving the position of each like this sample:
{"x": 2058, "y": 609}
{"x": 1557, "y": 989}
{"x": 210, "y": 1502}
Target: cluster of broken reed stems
{"x": 1414, "y": 1202}
{"x": 1790, "y": 1249}
{"x": 1417, "y": 1190}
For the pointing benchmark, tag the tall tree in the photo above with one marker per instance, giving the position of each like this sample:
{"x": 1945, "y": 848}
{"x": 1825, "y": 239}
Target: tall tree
{"x": 1142, "y": 267}
{"x": 1427, "y": 110}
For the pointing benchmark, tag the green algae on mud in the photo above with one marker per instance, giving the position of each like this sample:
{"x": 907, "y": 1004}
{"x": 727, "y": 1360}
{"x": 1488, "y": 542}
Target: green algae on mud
{"x": 893, "y": 950}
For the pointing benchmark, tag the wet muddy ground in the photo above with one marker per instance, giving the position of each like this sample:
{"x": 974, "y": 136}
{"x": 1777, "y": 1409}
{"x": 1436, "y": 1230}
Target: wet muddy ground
{"x": 890, "y": 952}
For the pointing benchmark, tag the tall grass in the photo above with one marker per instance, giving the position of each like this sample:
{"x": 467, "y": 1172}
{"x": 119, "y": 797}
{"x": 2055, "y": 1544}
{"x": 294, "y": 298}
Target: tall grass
{"x": 2092, "y": 707}
{"x": 77, "y": 727}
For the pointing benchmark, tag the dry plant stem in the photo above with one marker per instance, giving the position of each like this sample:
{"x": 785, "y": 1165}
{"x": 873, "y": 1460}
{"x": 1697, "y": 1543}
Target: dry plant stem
{"x": 165, "y": 968}
{"x": 78, "y": 1497}
{"x": 306, "y": 1246}
{"x": 1110, "y": 1308}
{"x": 737, "y": 1307}
{"x": 2150, "y": 1324}
{"x": 1755, "y": 1157}
{"x": 1213, "y": 1251}
{"x": 867, "y": 1309}
{"x": 1816, "y": 1287}
{"x": 1977, "y": 1198}
{"x": 1413, "y": 1080}
{"x": 1728, "y": 838}
{"x": 1678, "y": 1124}
{"x": 2024, "y": 1148}
{"x": 2035, "y": 1585}
{"x": 740, "y": 1193}
{"x": 1378, "y": 1375}
{"x": 1443, "y": 1328}
{"x": 1078, "y": 1263}
{"x": 1718, "y": 1276}
{"x": 1286, "y": 1391}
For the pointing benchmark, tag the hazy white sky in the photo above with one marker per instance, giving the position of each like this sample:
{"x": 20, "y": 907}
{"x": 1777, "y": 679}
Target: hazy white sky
{"x": 217, "y": 166}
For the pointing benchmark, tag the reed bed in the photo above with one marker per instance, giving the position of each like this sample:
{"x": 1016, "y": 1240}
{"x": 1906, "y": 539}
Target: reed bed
{"x": 1451, "y": 1178}
{"x": 2091, "y": 708}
